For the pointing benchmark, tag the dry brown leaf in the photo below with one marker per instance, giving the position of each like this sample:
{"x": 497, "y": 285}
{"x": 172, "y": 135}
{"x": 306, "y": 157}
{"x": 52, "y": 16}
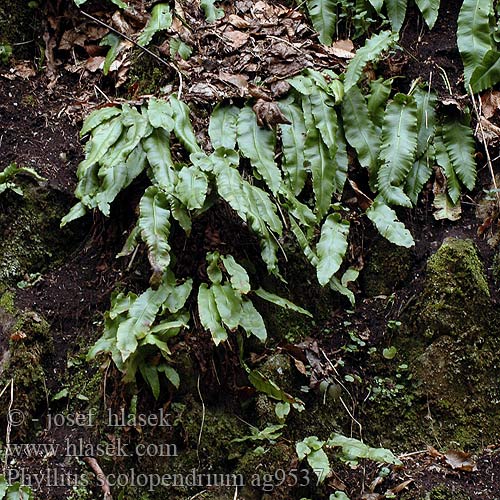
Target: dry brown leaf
{"x": 400, "y": 487}
{"x": 301, "y": 367}
{"x": 24, "y": 69}
{"x": 17, "y": 336}
{"x": 239, "y": 81}
{"x": 491, "y": 132}
{"x": 238, "y": 22}
{"x": 237, "y": 39}
{"x": 490, "y": 103}
{"x": 459, "y": 460}
{"x": 94, "y": 63}
{"x": 269, "y": 114}
{"x": 433, "y": 452}
{"x": 342, "y": 48}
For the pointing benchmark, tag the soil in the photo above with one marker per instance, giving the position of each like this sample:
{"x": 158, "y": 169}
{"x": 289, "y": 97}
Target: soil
{"x": 39, "y": 128}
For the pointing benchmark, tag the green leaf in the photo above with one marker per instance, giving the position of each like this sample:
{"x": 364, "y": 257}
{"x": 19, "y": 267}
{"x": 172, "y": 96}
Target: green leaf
{"x": 282, "y": 410}
{"x": 257, "y": 144}
{"x": 141, "y": 316}
{"x": 353, "y": 448}
{"x": 319, "y": 161}
{"x": 160, "y": 114}
{"x": 18, "y": 492}
{"x": 76, "y": 212}
{"x": 359, "y": 129}
{"x": 325, "y": 118}
{"x": 473, "y": 34}
{"x": 338, "y": 286}
{"x": 419, "y": 174}
{"x": 251, "y": 320}
{"x": 150, "y": 375}
{"x": 177, "y": 46}
{"x": 459, "y": 143}
{"x": 396, "y": 11}
{"x": 319, "y": 463}
{"x": 238, "y": 275}
{"x": 171, "y": 374}
{"x": 161, "y": 19}
{"x": 267, "y": 386}
{"x": 426, "y": 118}
{"x": 182, "y": 125}
{"x": 191, "y": 188}
{"x": 228, "y": 303}
{"x": 222, "y": 126}
{"x": 387, "y": 224}
{"x": 370, "y": 52}
{"x": 209, "y": 315}
{"x": 323, "y": 14}
{"x": 97, "y": 117}
{"x": 178, "y": 296}
{"x": 487, "y": 73}
{"x": 389, "y": 352}
{"x": 120, "y": 3}
{"x": 154, "y": 222}
{"x": 280, "y": 301}
{"x": 212, "y": 13}
{"x": 157, "y": 148}
{"x": 180, "y": 214}
{"x": 113, "y": 42}
{"x": 331, "y": 247}
{"x": 429, "y": 10}
{"x": 444, "y": 161}
{"x": 293, "y": 145}
{"x": 398, "y": 148}
{"x": 380, "y": 90}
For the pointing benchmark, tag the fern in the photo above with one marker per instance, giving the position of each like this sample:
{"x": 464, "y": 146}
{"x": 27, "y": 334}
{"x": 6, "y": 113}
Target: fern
{"x": 161, "y": 19}
{"x": 396, "y": 11}
{"x": 323, "y": 14}
{"x": 370, "y": 52}
{"x": 473, "y": 34}
{"x": 429, "y": 10}
{"x": 398, "y": 148}
{"x": 486, "y": 74}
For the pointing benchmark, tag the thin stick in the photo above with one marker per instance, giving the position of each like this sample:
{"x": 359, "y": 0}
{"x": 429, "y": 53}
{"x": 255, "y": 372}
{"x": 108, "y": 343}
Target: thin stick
{"x": 9, "y": 426}
{"x": 145, "y": 49}
{"x": 488, "y": 157}
{"x": 202, "y": 420}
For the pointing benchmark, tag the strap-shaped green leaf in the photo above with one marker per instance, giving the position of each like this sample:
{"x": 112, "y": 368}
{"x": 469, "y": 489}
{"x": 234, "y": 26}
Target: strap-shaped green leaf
{"x": 487, "y": 73}
{"x": 444, "y": 161}
{"x": 222, "y": 126}
{"x": 141, "y": 316}
{"x": 360, "y": 130}
{"x": 238, "y": 274}
{"x": 251, "y": 320}
{"x": 419, "y": 174}
{"x": 473, "y": 34}
{"x": 380, "y": 90}
{"x": 370, "y": 52}
{"x": 429, "y": 10}
{"x": 157, "y": 147}
{"x": 154, "y": 222}
{"x": 180, "y": 213}
{"x": 396, "y": 11}
{"x": 182, "y": 125}
{"x": 261, "y": 206}
{"x": 280, "y": 301}
{"x": 97, "y": 117}
{"x": 209, "y": 314}
{"x": 257, "y": 144}
{"x": 398, "y": 148}
{"x": 191, "y": 188}
{"x": 228, "y": 304}
{"x": 161, "y": 19}
{"x": 459, "y": 143}
{"x": 331, "y": 247}
{"x": 293, "y": 138}
{"x": 323, "y": 14}
{"x": 387, "y": 224}
{"x": 160, "y": 114}
{"x": 325, "y": 118}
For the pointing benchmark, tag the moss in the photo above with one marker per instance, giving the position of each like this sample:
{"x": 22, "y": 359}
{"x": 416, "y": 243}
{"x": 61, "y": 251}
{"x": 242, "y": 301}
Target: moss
{"x": 387, "y": 267}
{"x": 439, "y": 492}
{"x": 145, "y": 76}
{"x": 19, "y": 23}
{"x": 449, "y": 338}
{"x": 26, "y": 343}
{"x": 31, "y": 238}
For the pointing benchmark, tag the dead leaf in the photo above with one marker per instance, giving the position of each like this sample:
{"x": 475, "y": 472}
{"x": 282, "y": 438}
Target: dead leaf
{"x": 460, "y": 460}
{"x": 17, "y": 336}
{"x": 237, "y": 39}
{"x": 24, "y": 70}
{"x": 269, "y": 114}
{"x": 400, "y": 487}
{"x": 490, "y": 103}
{"x": 433, "y": 452}
{"x": 239, "y": 81}
{"x": 238, "y": 22}
{"x": 94, "y": 63}
{"x": 301, "y": 367}
{"x": 342, "y": 48}
{"x": 491, "y": 132}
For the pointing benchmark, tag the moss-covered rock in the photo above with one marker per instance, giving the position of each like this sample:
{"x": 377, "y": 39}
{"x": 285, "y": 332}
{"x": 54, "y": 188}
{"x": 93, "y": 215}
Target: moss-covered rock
{"x": 25, "y": 344}
{"x": 387, "y": 267}
{"x": 449, "y": 339}
{"x": 30, "y": 237}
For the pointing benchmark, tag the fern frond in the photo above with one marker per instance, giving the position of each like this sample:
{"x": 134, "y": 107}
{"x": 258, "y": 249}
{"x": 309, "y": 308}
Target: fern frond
{"x": 323, "y": 14}
{"x": 487, "y": 73}
{"x": 429, "y": 10}
{"x": 398, "y": 148}
{"x": 222, "y": 126}
{"x": 396, "y": 11}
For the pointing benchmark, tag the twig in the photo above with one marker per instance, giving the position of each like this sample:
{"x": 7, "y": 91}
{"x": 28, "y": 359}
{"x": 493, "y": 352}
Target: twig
{"x": 92, "y": 463}
{"x": 145, "y": 49}
{"x": 488, "y": 157}
{"x": 9, "y": 425}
